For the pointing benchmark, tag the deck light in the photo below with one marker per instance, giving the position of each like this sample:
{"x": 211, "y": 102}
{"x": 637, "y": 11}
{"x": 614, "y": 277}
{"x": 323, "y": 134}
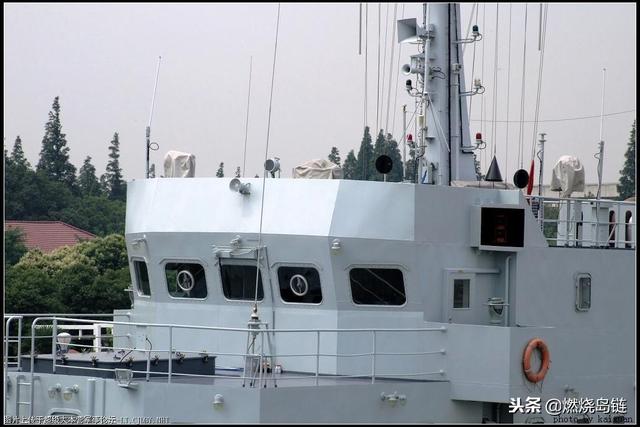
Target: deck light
{"x": 218, "y": 401}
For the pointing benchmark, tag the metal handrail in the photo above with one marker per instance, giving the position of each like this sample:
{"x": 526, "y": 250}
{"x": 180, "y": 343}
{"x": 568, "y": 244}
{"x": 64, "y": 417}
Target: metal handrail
{"x": 261, "y": 374}
{"x": 567, "y": 226}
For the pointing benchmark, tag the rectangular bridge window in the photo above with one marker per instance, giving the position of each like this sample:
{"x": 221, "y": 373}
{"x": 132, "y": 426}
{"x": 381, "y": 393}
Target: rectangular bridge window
{"x": 300, "y": 284}
{"x": 186, "y": 280}
{"x": 377, "y": 286}
{"x": 142, "y": 278}
{"x": 239, "y": 282}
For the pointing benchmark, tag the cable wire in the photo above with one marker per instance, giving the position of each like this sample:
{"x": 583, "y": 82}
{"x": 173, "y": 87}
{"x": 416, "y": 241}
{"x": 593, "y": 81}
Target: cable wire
{"x": 266, "y": 153}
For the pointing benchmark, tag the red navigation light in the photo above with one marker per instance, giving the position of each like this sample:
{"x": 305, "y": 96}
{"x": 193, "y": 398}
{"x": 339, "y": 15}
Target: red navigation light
{"x": 478, "y": 136}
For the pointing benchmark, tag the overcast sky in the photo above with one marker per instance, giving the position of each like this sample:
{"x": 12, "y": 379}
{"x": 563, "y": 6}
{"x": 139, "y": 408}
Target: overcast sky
{"x": 101, "y": 60}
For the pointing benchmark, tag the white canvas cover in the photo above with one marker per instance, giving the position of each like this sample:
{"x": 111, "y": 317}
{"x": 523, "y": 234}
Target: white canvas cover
{"x": 318, "y": 169}
{"x": 179, "y": 165}
{"x": 567, "y": 176}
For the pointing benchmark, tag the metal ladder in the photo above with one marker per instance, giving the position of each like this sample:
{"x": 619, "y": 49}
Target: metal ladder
{"x": 28, "y": 403}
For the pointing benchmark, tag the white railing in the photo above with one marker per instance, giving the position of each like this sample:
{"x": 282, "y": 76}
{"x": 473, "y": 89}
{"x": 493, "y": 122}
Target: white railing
{"x": 571, "y": 222}
{"x": 262, "y": 359}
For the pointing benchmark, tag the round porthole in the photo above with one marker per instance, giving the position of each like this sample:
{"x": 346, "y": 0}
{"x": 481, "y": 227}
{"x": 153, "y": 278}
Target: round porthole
{"x": 185, "y": 280}
{"x": 299, "y": 285}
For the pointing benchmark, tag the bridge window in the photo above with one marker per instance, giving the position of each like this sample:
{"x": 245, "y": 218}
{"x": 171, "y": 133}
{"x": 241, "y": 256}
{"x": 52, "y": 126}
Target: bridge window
{"x": 583, "y": 292}
{"x": 377, "y": 286}
{"x": 300, "y": 285}
{"x": 239, "y": 282}
{"x": 142, "y": 278}
{"x": 186, "y": 280}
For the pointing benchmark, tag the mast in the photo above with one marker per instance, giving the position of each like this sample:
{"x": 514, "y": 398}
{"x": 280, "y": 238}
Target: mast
{"x": 444, "y": 150}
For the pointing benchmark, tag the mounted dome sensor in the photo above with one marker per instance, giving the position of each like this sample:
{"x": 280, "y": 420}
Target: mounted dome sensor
{"x": 384, "y": 164}
{"x": 521, "y": 178}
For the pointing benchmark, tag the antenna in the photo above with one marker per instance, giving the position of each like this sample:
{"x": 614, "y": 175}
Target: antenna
{"x": 246, "y": 125}
{"x": 150, "y": 145}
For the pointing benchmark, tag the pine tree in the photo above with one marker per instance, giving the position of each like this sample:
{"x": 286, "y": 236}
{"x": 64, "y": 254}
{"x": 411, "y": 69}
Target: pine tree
{"x": 220, "y": 173}
{"x": 54, "y": 156}
{"x": 112, "y": 179}
{"x": 350, "y": 166}
{"x": 238, "y": 172}
{"x": 17, "y": 155}
{"x": 365, "y": 168}
{"x": 476, "y": 164}
{"x": 87, "y": 180}
{"x": 410, "y": 167}
{"x": 394, "y": 152}
{"x": 379, "y": 148}
{"x": 627, "y": 186}
{"x": 334, "y": 156}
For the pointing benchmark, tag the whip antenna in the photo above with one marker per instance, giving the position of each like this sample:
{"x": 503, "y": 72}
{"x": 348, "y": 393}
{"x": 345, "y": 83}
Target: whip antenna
{"x": 150, "y": 145}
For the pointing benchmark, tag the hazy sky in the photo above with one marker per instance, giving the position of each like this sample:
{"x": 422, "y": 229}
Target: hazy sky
{"x": 101, "y": 60}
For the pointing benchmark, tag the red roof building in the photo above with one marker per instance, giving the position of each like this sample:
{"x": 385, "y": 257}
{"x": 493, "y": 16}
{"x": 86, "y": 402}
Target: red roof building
{"x": 49, "y": 235}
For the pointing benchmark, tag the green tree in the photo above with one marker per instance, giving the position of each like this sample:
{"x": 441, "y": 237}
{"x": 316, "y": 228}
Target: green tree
{"x": 112, "y": 179}
{"x": 88, "y": 277}
{"x": 220, "y": 172}
{"x": 18, "y": 176}
{"x": 54, "y": 156}
{"x": 386, "y": 145}
{"x": 334, "y": 156}
{"x": 14, "y": 247}
{"x": 410, "y": 168}
{"x": 365, "y": 168}
{"x": 350, "y": 166}
{"x": 30, "y": 290}
{"x": 17, "y": 155}
{"x": 476, "y": 164}
{"x": 627, "y": 183}
{"x": 96, "y": 214}
{"x": 87, "y": 180}
{"x": 238, "y": 172}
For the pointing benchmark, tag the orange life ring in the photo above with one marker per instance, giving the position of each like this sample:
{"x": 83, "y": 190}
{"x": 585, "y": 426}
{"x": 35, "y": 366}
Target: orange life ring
{"x": 536, "y": 343}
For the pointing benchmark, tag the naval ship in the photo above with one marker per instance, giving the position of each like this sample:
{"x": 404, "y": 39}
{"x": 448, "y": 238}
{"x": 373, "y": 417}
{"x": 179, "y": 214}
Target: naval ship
{"x": 438, "y": 300}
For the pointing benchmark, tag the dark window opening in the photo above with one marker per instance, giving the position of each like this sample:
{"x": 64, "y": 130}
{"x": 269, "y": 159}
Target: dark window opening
{"x": 612, "y": 229}
{"x": 186, "y": 280}
{"x": 461, "y": 290}
{"x": 300, "y": 284}
{"x": 239, "y": 282}
{"x": 377, "y": 286}
{"x": 628, "y": 229}
{"x": 583, "y": 292}
{"x": 142, "y": 278}
{"x": 502, "y": 227}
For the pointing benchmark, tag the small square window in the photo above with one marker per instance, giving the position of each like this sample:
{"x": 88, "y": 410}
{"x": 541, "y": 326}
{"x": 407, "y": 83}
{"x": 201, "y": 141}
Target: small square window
{"x": 461, "y": 289}
{"x": 583, "y": 292}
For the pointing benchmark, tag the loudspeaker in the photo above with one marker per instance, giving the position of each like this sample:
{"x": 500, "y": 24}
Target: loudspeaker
{"x": 384, "y": 164}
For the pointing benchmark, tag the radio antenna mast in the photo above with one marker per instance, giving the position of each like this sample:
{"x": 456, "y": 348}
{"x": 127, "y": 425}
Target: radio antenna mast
{"x": 149, "y": 145}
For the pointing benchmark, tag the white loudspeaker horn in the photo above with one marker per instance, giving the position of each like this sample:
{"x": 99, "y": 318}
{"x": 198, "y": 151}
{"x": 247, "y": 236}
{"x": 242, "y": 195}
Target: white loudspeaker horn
{"x": 407, "y": 30}
{"x": 406, "y": 69}
{"x": 236, "y": 185}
